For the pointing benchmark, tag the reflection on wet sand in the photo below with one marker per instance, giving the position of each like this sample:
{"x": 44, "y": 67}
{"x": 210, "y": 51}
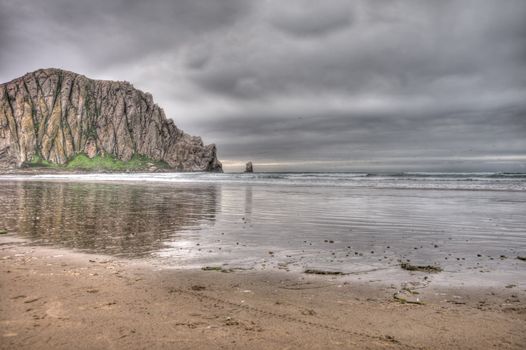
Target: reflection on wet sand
{"x": 129, "y": 220}
{"x": 293, "y": 228}
{"x": 248, "y": 204}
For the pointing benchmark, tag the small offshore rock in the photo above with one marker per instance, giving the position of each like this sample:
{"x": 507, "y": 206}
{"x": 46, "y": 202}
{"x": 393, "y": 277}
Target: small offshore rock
{"x": 249, "y": 168}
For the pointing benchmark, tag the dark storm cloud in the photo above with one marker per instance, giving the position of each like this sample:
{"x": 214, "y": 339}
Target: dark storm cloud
{"x": 334, "y": 135}
{"x": 428, "y": 46}
{"x": 311, "y": 19}
{"x": 115, "y": 31}
{"x": 346, "y": 84}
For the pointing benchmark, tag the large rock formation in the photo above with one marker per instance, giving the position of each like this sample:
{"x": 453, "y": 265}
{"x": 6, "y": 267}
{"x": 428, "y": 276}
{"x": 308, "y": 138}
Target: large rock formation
{"x": 55, "y": 115}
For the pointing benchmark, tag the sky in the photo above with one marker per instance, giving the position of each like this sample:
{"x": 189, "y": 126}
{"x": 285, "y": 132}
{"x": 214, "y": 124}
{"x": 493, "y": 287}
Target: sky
{"x": 303, "y": 85}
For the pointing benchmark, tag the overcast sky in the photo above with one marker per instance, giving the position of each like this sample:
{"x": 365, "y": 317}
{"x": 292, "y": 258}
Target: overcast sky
{"x": 365, "y": 85}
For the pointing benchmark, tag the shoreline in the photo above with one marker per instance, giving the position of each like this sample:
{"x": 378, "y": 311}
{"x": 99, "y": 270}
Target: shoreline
{"x": 64, "y": 171}
{"x": 51, "y": 294}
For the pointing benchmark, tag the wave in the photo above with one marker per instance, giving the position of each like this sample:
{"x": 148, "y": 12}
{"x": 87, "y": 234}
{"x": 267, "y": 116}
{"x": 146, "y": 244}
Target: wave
{"x": 450, "y": 175}
{"x": 415, "y": 180}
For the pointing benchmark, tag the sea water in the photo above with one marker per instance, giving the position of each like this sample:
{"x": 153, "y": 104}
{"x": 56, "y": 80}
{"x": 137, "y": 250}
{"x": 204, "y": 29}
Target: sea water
{"x": 471, "y": 225}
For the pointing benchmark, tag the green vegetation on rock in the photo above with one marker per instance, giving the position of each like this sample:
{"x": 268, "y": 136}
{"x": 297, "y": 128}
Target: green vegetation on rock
{"x": 38, "y": 162}
{"x": 110, "y": 163}
{"x": 100, "y": 163}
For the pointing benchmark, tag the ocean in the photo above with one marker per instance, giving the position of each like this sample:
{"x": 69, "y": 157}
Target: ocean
{"x": 470, "y": 225}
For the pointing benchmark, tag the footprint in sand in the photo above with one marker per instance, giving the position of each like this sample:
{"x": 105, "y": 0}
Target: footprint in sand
{"x": 55, "y": 310}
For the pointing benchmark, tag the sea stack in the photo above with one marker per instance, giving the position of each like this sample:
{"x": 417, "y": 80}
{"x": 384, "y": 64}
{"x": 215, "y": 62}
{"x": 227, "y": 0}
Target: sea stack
{"x": 249, "y": 168}
{"x": 54, "y": 115}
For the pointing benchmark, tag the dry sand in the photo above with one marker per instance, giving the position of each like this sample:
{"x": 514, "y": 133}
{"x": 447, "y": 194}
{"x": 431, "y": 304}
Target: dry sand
{"x": 58, "y": 299}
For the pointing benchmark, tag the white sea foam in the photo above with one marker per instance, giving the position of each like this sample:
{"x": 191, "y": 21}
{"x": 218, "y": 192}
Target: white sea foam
{"x": 438, "y": 181}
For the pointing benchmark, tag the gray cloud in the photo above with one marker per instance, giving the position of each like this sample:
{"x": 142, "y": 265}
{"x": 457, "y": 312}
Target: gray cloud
{"x": 310, "y": 18}
{"x": 344, "y": 84}
{"x": 114, "y": 32}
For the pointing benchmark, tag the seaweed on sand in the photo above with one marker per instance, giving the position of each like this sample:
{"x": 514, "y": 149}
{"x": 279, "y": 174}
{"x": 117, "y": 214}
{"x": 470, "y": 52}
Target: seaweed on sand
{"x": 323, "y": 272}
{"x": 424, "y": 268}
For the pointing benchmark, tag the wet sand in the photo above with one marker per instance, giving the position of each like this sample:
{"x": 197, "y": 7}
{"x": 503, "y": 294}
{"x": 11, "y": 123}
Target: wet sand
{"x": 61, "y": 299}
{"x": 473, "y": 236}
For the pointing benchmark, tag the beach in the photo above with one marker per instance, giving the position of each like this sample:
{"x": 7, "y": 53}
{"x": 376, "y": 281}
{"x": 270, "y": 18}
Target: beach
{"x": 263, "y": 262}
{"x": 56, "y": 299}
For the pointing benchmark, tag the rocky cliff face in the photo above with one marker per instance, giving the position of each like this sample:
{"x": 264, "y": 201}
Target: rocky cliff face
{"x": 54, "y": 115}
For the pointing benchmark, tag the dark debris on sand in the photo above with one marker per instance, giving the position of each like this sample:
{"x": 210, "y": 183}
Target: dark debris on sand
{"x": 323, "y": 272}
{"x": 424, "y": 268}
